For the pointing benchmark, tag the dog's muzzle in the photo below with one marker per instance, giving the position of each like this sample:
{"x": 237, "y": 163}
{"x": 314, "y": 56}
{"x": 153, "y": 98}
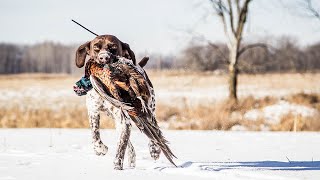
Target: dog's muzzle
{"x": 104, "y": 56}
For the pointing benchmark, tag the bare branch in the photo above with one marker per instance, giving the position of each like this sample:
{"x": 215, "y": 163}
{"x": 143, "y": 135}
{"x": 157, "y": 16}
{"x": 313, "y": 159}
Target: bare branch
{"x": 218, "y": 49}
{"x": 201, "y": 38}
{"x": 219, "y": 6}
{"x": 238, "y": 6}
{"x": 221, "y": 10}
{"x": 312, "y": 10}
{"x": 242, "y": 19}
{"x": 222, "y": 18}
{"x": 244, "y": 49}
{"x": 231, "y": 17}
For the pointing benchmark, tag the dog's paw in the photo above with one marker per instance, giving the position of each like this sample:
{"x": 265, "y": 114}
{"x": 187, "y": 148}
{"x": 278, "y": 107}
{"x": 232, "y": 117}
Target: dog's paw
{"x": 132, "y": 163}
{"x": 100, "y": 149}
{"x": 131, "y": 157}
{"x": 154, "y": 150}
{"x": 118, "y": 168}
{"x": 118, "y": 164}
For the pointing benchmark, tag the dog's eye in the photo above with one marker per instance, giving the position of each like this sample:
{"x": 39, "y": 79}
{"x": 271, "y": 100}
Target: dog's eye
{"x": 96, "y": 48}
{"x": 113, "y": 49}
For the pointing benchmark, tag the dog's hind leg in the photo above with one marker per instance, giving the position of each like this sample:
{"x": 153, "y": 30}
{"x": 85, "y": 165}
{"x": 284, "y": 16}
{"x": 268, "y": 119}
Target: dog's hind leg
{"x": 122, "y": 145}
{"x": 131, "y": 155}
{"x": 154, "y": 150}
{"x": 94, "y": 119}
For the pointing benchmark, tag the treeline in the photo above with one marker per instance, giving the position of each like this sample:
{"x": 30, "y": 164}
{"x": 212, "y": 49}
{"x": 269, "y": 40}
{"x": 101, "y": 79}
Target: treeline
{"x": 46, "y": 57}
{"x": 282, "y": 56}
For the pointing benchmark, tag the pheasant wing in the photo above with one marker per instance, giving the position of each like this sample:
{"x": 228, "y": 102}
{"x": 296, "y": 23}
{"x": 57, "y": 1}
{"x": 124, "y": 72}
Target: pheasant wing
{"x": 106, "y": 94}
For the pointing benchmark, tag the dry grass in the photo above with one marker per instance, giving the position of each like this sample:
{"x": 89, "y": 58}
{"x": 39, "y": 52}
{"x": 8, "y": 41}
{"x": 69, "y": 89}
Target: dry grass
{"x": 24, "y": 116}
{"x": 42, "y": 100}
{"x": 187, "y": 79}
{"x": 218, "y": 116}
{"x": 291, "y": 122}
{"x": 311, "y": 100}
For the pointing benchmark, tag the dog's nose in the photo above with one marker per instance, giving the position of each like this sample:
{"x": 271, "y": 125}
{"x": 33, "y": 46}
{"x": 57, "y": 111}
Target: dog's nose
{"x": 103, "y": 56}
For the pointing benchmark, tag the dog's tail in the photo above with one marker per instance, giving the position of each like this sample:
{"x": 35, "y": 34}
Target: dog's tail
{"x": 153, "y": 132}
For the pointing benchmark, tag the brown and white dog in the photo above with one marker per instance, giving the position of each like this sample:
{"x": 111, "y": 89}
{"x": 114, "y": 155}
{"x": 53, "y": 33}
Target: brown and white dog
{"x": 98, "y": 50}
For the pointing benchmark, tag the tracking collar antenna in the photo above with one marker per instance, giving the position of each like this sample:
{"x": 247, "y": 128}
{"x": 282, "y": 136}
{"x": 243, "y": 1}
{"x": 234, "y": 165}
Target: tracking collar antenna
{"x": 84, "y": 27}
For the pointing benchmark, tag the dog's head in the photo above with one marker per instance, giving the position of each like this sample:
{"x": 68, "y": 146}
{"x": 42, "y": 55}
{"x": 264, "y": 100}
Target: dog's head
{"x": 101, "y": 48}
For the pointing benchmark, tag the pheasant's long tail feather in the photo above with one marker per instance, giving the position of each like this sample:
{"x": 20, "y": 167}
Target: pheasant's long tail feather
{"x": 154, "y": 133}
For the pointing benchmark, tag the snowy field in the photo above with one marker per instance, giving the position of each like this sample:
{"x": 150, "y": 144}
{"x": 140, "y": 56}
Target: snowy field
{"x": 195, "y": 88}
{"x": 53, "y": 154}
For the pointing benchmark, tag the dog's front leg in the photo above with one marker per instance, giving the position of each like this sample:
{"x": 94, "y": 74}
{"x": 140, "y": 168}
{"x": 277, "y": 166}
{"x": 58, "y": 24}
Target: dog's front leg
{"x": 98, "y": 146}
{"x": 125, "y": 129}
{"x": 131, "y": 155}
{"x": 93, "y": 105}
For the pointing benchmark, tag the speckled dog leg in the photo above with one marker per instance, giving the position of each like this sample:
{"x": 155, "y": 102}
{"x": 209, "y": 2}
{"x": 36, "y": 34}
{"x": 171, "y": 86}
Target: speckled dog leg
{"x": 93, "y": 105}
{"x": 122, "y": 145}
{"x": 154, "y": 150}
{"x": 131, "y": 155}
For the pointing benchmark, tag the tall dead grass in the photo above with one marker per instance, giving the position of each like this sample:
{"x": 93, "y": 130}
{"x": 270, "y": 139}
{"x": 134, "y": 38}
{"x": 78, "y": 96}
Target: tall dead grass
{"x": 222, "y": 115}
{"x": 21, "y": 108}
{"x": 72, "y": 116}
{"x": 292, "y": 122}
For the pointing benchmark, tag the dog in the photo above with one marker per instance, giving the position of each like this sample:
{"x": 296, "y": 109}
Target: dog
{"x": 97, "y": 50}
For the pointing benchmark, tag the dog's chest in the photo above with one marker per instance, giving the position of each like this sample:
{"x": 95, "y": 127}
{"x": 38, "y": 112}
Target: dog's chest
{"x": 95, "y": 103}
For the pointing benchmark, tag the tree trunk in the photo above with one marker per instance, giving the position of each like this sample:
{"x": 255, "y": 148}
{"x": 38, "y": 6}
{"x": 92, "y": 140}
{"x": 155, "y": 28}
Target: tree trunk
{"x": 233, "y": 71}
{"x": 233, "y": 81}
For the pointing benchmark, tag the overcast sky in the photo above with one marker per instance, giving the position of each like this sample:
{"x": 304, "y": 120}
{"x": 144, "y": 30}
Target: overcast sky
{"x": 147, "y": 25}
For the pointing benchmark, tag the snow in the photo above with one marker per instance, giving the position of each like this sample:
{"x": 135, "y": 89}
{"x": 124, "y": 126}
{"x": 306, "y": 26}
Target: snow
{"x": 274, "y": 113}
{"x": 197, "y": 95}
{"x": 183, "y": 96}
{"x": 68, "y": 154}
{"x": 238, "y": 128}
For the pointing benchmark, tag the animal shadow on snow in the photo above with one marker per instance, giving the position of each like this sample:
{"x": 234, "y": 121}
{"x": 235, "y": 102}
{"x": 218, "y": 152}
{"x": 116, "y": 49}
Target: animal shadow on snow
{"x": 251, "y": 165}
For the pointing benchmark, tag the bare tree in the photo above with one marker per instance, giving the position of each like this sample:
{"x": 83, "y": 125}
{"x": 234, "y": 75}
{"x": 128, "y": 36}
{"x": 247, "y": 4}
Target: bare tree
{"x": 233, "y": 15}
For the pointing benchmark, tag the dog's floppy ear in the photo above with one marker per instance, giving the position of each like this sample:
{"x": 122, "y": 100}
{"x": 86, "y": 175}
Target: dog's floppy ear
{"x": 127, "y": 52}
{"x": 82, "y": 53}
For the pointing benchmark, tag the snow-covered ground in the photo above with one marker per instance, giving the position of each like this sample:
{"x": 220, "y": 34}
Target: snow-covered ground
{"x": 53, "y": 154}
{"x": 275, "y": 112}
{"x": 190, "y": 96}
{"x": 198, "y": 95}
